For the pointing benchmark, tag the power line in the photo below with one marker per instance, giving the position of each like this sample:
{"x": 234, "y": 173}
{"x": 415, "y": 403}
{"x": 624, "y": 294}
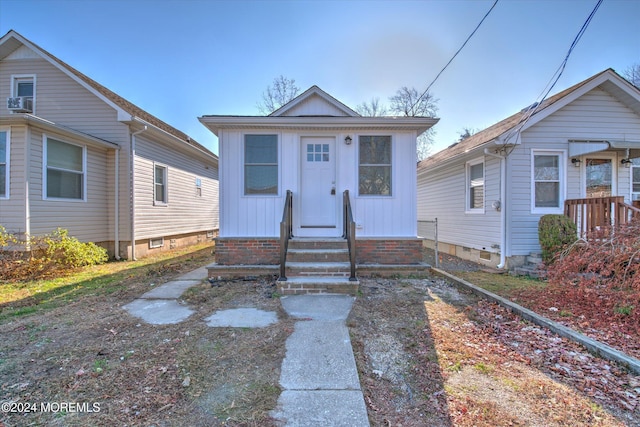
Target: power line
{"x": 556, "y": 76}
{"x": 454, "y": 55}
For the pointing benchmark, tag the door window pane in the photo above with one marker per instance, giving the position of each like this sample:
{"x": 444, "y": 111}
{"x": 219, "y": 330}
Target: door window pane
{"x": 599, "y": 174}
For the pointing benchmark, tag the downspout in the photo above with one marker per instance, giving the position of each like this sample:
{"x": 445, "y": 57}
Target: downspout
{"x": 133, "y": 192}
{"x": 503, "y": 207}
{"x": 116, "y": 236}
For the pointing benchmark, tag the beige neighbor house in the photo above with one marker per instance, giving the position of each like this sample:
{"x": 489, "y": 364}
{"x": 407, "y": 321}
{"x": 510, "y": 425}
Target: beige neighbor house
{"x": 74, "y": 154}
{"x": 578, "y": 153}
{"x": 319, "y": 174}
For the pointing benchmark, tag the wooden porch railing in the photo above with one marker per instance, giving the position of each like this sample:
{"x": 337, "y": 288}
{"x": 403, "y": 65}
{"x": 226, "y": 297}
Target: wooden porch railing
{"x": 599, "y": 213}
{"x": 286, "y": 232}
{"x": 349, "y": 233}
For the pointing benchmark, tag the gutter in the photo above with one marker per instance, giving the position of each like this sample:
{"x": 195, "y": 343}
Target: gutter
{"x": 132, "y": 181}
{"x": 503, "y": 206}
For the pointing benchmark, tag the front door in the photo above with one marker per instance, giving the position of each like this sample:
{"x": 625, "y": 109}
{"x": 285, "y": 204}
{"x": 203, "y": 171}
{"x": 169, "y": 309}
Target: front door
{"x": 318, "y": 194}
{"x": 600, "y": 175}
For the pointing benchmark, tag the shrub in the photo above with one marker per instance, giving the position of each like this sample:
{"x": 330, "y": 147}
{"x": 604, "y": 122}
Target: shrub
{"x": 52, "y": 254}
{"x": 555, "y": 233}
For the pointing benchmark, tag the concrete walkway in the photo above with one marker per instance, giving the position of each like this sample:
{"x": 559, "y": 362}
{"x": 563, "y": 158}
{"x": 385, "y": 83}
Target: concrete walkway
{"x": 160, "y": 305}
{"x": 319, "y": 374}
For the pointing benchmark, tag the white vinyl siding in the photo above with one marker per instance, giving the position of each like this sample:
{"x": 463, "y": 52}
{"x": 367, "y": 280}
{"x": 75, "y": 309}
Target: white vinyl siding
{"x": 185, "y": 212}
{"x": 595, "y": 116}
{"x": 548, "y": 181}
{"x": 5, "y": 166}
{"x": 475, "y": 186}
{"x": 442, "y": 194}
{"x": 64, "y": 171}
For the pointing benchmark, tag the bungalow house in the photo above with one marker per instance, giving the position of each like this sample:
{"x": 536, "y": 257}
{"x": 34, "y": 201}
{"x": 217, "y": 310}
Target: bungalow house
{"x": 577, "y": 152}
{"x": 75, "y": 155}
{"x": 321, "y": 160}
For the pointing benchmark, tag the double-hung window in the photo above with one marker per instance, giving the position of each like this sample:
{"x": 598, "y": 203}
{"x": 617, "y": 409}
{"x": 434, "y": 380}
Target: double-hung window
{"x": 260, "y": 164}
{"x": 475, "y": 186}
{"x": 159, "y": 184}
{"x": 4, "y": 164}
{"x": 374, "y": 165}
{"x": 547, "y": 181}
{"x": 65, "y": 170}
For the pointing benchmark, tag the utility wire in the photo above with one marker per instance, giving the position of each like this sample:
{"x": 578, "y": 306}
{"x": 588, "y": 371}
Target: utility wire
{"x": 454, "y": 55}
{"x": 554, "y": 79}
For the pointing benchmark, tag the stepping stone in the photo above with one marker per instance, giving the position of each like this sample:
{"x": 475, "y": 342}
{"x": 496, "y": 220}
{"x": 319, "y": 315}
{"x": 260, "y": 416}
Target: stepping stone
{"x": 158, "y": 311}
{"x": 242, "y": 318}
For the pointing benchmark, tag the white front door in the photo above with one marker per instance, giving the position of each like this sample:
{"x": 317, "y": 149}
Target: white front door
{"x": 318, "y": 196}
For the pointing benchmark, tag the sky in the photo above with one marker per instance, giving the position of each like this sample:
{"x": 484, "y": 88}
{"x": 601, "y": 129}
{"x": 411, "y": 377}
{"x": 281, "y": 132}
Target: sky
{"x": 182, "y": 59}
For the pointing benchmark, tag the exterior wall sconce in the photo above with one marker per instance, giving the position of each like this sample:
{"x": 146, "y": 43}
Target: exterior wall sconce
{"x": 626, "y": 163}
{"x": 348, "y": 140}
{"x": 576, "y": 162}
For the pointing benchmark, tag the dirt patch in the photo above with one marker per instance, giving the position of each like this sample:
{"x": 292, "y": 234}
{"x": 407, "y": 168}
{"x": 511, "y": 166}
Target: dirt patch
{"x": 465, "y": 362}
{"x": 427, "y": 354}
{"x": 92, "y": 352}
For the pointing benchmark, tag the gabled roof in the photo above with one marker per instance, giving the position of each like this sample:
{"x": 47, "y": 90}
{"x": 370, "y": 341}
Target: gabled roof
{"x": 314, "y": 91}
{"x": 126, "y": 110}
{"x": 608, "y": 79}
{"x": 295, "y": 116}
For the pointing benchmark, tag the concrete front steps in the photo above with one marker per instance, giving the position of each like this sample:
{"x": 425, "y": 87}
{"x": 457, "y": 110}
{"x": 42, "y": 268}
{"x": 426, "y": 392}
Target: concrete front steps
{"x": 317, "y": 266}
{"x": 533, "y": 267}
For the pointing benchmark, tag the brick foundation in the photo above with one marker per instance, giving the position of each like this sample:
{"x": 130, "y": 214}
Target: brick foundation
{"x": 247, "y": 251}
{"x": 389, "y": 251}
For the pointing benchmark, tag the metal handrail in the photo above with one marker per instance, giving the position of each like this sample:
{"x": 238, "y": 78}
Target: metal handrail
{"x": 286, "y": 232}
{"x": 349, "y": 233}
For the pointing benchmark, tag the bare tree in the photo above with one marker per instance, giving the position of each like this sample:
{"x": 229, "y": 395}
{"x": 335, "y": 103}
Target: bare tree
{"x": 408, "y": 102}
{"x": 281, "y": 91}
{"x": 465, "y": 133}
{"x": 373, "y": 108}
{"x": 632, "y": 73}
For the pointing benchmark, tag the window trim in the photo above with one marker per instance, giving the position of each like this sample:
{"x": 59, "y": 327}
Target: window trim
{"x": 562, "y": 181}
{"x": 243, "y": 164}
{"x": 467, "y": 184}
{"x": 159, "y": 242}
{"x": 7, "y": 164}
{"x": 391, "y": 174}
{"x": 635, "y": 195}
{"x": 15, "y": 78}
{"x": 165, "y": 174}
{"x": 45, "y": 167}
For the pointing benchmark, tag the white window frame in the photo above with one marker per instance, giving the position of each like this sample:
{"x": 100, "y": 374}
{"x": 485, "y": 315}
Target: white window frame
{"x": 45, "y": 167}
{"x": 392, "y": 176}
{"x": 7, "y": 163}
{"x": 165, "y": 175}
{"x": 562, "y": 178}
{"x": 156, "y": 242}
{"x": 243, "y": 164}
{"x": 15, "y": 79}
{"x": 635, "y": 195}
{"x": 467, "y": 184}
{"x": 198, "y": 182}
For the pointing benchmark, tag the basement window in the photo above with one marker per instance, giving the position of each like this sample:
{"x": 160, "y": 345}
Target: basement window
{"x": 158, "y": 242}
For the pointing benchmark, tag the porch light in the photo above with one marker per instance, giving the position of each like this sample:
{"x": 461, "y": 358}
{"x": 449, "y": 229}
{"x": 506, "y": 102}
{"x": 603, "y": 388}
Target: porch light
{"x": 626, "y": 163}
{"x": 347, "y": 140}
{"x": 576, "y": 162}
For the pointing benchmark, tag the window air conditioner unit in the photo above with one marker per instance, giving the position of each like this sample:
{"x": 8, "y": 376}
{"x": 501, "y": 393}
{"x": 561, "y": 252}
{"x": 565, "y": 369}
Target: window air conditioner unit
{"x": 20, "y": 104}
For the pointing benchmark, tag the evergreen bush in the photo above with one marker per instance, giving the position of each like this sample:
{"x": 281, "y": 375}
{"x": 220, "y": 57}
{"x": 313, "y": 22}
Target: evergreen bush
{"x": 555, "y": 233}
